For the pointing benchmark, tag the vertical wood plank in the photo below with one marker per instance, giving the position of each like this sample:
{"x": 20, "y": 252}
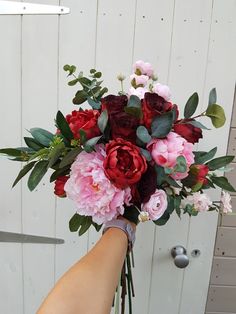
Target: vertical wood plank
{"x": 39, "y": 92}
{"x": 220, "y": 73}
{"x": 76, "y": 46}
{"x": 10, "y": 129}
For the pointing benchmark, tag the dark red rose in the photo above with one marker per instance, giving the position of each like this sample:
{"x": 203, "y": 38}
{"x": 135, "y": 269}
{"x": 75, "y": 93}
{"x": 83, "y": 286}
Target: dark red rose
{"x": 154, "y": 105}
{"x": 191, "y": 133}
{"x": 124, "y": 164}
{"x": 142, "y": 191}
{"x": 59, "y": 186}
{"x": 124, "y": 125}
{"x": 86, "y": 120}
{"x": 114, "y": 104}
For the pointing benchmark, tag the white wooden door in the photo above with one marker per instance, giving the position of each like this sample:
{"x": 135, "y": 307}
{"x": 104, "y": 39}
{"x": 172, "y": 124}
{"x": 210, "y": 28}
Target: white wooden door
{"x": 192, "y": 45}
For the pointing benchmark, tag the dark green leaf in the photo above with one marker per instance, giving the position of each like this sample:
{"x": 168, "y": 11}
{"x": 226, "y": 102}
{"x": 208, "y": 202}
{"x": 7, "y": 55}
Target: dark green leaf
{"x": 82, "y": 136}
{"x": 80, "y": 97}
{"x": 70, "y": 157}
{"x": 60, "y": 172}
{"x": 69, "y": 68}
{"x": 37, "y": 174}
{"x": 162, "y": 125}
{"x": 163, "y": 220}
{"x": 98, "y": 74}
{"x": 63, "y": 126}
{"x": 202, "y": 157}
{"x": 55, "y": 154}
{"x": 146, "y": 154}
{"x": 198, "y": 124}
{"x": 92, "y": 71}
{"x": 171, "y": 204}
{"x": 96, "y": 226}
{"x": 219, "y": 162}
{"x": 178, "y": 212}
{"x": 11, "y": 152}
{"x": 32, "y": 143}
{"x": 160, "y": 175}
{"x": 216, "y": 114}
{"x": 73, "y": 82}
{"x": 103, "y": 91}
{"x": 223, "y": 183}
{"x": 23, "y": 172}
{"x": 42, "y": 136}
{"x": 89, "y": 145}
{"x": 212, "y": 97}
{"x": 181, "y": 165}
{"x": 75, "y": 222}
{"x": 134, "y": 111}
{"x": 102, "y": 121}
{"x": 142, "y": 134}
{"x": 191, "y": 105}
{"x": 134, "y": 101}
{"x": 85, "y": 225}
{"x": 172, "y": 182}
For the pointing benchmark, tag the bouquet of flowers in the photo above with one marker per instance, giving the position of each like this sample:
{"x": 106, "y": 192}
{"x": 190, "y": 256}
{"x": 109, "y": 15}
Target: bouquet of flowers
{"x": 130, "y": 154}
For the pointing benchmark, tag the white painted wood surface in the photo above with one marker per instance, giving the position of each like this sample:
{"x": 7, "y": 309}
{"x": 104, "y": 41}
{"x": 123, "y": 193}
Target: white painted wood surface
{"x": 192, "y": 46}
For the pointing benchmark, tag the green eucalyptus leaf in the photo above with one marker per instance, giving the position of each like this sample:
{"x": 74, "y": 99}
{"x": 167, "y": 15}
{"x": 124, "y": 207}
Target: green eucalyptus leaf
{"x": 80, "y": 97}
{"x": 63, "y": 126}
{"x": 216, "y": 114}
{"x": 219, "y": 162}
{"x": 212, "y": 97}
{"x": 97, "y": 74}
{"x": 55, "y": 154}
{"x": 191, "y": 105}
{"x": 171, "y": 204}
{"x": 146, "y": 154}
{"x": 134, "y": 111}
{"x": 39, "y": 170}
{"x": 102, "y": 121}
{"x": 70, "y": 157}
{"x": 162, "y": 125}
{"x": 89, "y": 145}
{"x": 42, "y": 136}
{"x": 198, "y": 124}
{"x": 69, "y": 68}
{"x": 181, "y": 164}
{"x": 96, "y": 105}
{"x": 23, "y": 172}
{"x": 142, "y": 134}
{"x": 134, "y": 101}
{"x": 223, "y": 183}
{"x": 82, "y": 136}
{"x": 73, "y": 82}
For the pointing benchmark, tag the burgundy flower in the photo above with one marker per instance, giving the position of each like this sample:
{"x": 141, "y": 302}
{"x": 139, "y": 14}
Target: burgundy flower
{"x": 59, "y": 186}
{"x": 188, "y": 131}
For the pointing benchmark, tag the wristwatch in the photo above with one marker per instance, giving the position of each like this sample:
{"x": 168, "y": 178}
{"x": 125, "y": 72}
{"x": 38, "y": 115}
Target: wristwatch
{"x": 125, "y": 226}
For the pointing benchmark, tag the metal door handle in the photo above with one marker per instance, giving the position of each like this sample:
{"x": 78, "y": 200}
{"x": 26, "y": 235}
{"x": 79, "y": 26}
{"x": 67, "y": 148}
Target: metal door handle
{"x": 179, "y": 254}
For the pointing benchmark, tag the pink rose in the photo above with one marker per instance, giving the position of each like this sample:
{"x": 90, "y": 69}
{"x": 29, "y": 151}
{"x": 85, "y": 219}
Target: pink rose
{"x": 137, "y": 80}
{"x": 92, "y": 192}
{"x": 156, "y": 205}
{"x": 139, "y": 92}
{"x": 141, "y": 67}
{"x": 200, "y": 201}
{"x": 162, "y": 90}
{"x": 165, "y": 152}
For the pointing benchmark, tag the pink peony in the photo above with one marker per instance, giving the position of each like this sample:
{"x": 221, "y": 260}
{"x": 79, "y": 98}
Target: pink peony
{"x": 93, "y": 193}
{"x": 140, "y": 91}
{"x": 141, "y": 67}
{"x": 139, "y": 79}
{"x": 162, "y": 90}
{"x": 156, "y": 205}
{"x": 226, "y": 202}
{"x": 165, "y": 152}
{"x": 200, "y": 201}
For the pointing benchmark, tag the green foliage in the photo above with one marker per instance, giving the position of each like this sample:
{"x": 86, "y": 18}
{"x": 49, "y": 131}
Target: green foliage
{"x": 60, "y": 172}
{"x": 102, "y": 121}
{"x": 39, "y": 170}
{"x": 70, "y": 157}
{"x": 198, "y": 124}
{"x": 89, "y": 145}
{"x": 55, "y": 153}
{"x": 32, "y": 143}
{"x": 216, "y": 114}
{"x": 181, "y": 165}
{"x": 23, "y": 172}
{"x": 212, "y": 97}
{"x": 42, "y": 136}
{"x": 191, "y": 105}
{"x": 63, "y": 126}
{"x": 134, "y": 107}
{"x": 219, "y": 162}
{"x": 80, "y": 223}
{"x": 163, "y": 219}
{"x": 202, "y": 157}
{"x": 146, "y": 154}
{"x": 223, "y": 183}
{"x": 143, "y": 135}
{"x": 162, "y": 125}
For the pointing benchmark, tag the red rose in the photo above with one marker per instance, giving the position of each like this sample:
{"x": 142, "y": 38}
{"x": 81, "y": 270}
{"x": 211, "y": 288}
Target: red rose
{"x": 123, "y": 165}
{"x": 114, "y": 104}
{"x": 122, "y": 124}
{"x": 191, "y": 133}
{"x": 86, "y": 120}
{"x": 154, "y": 105}
{"x": 197, "y": 176}
{"x": 59, "y": 186}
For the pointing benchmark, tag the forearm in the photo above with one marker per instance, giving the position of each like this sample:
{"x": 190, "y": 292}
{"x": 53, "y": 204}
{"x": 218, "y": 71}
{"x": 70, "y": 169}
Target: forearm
{"x": 89, "y": 286}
